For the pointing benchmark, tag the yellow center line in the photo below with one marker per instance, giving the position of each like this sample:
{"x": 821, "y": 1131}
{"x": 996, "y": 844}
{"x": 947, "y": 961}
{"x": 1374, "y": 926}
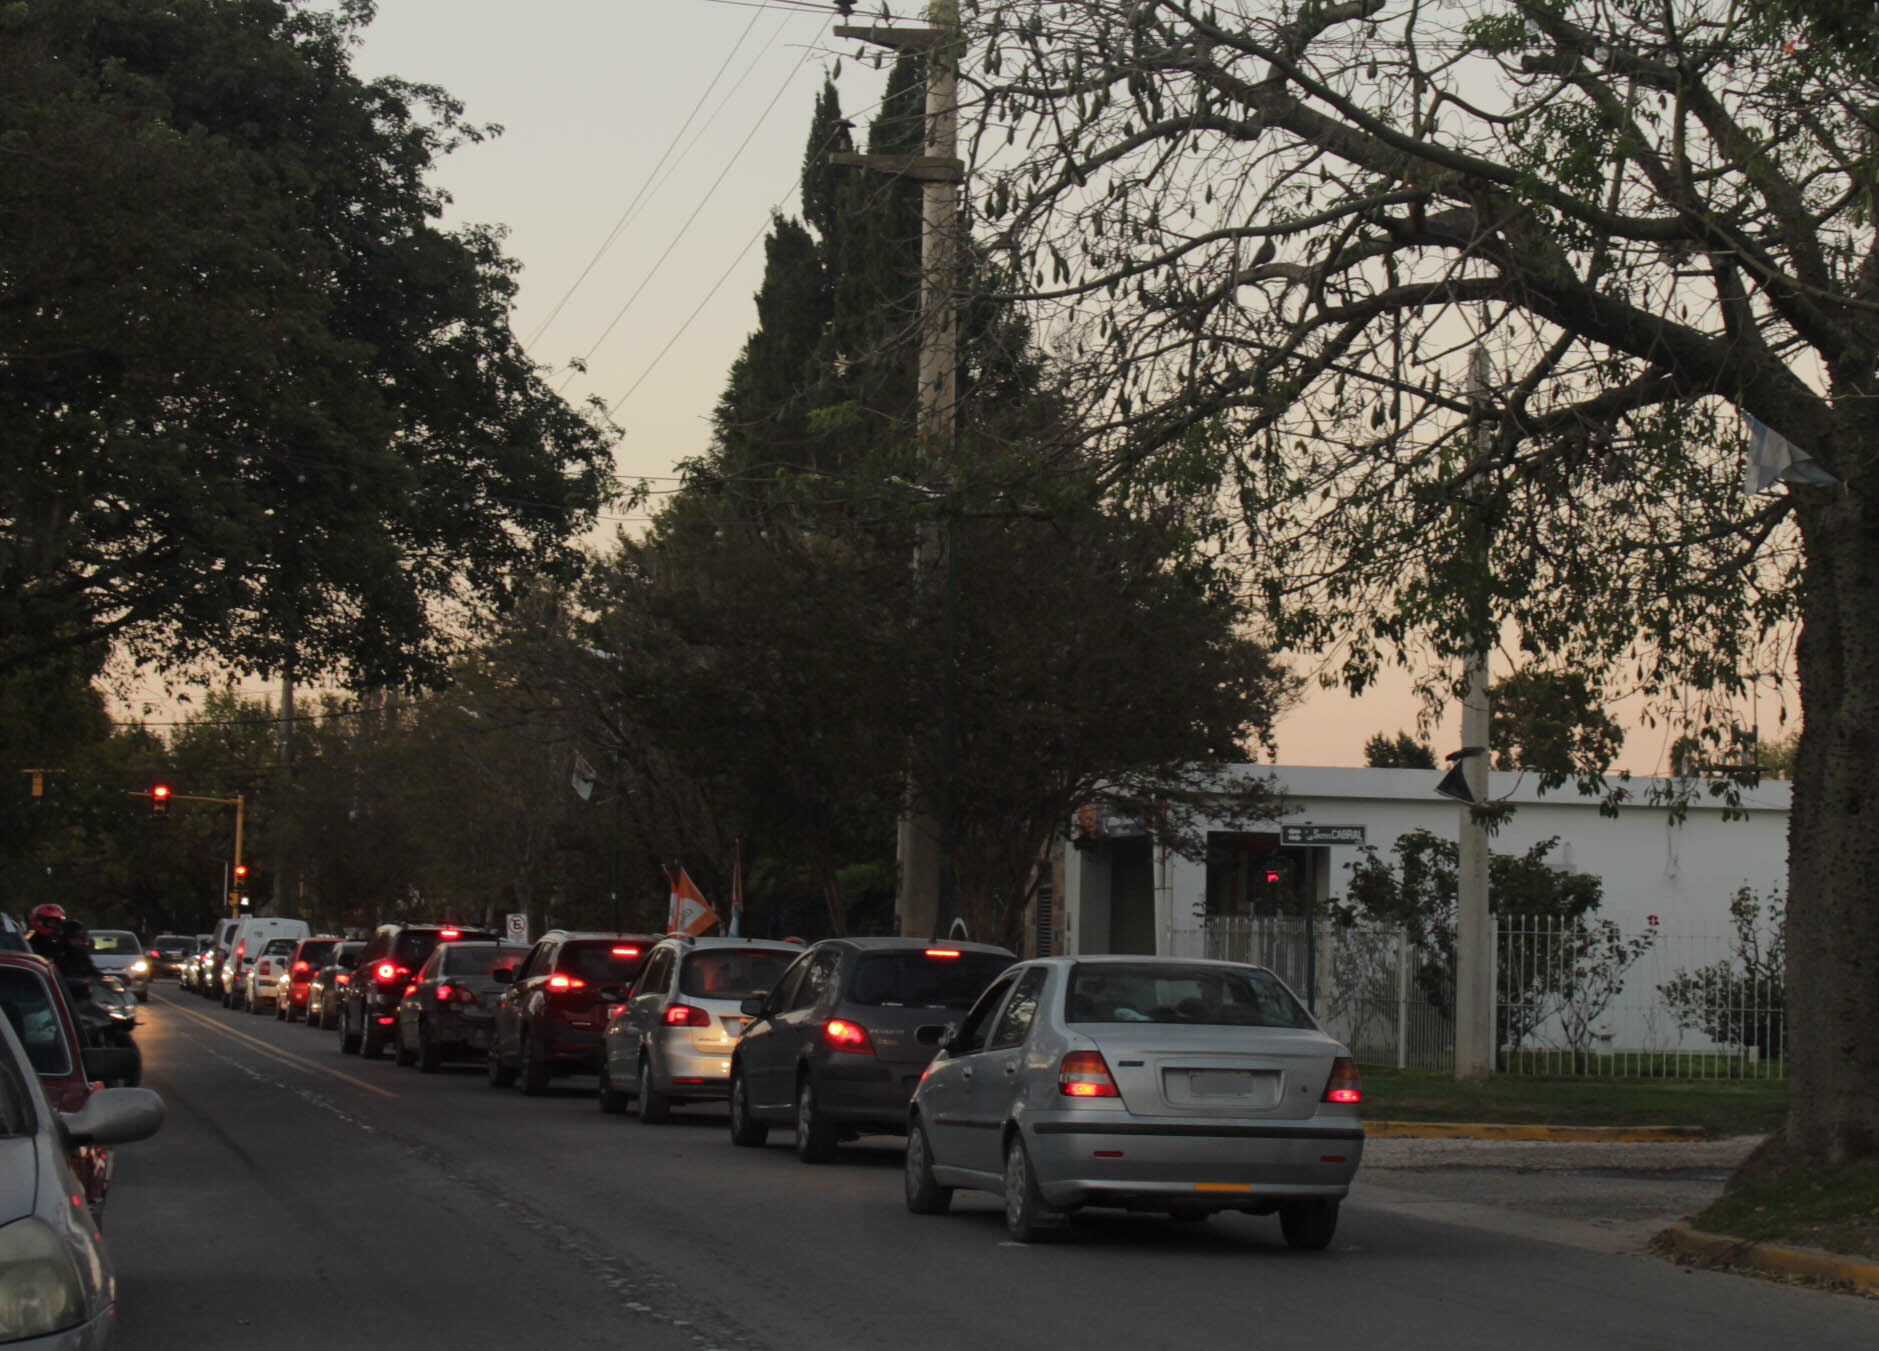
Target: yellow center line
{"x": 286, "y": 1057}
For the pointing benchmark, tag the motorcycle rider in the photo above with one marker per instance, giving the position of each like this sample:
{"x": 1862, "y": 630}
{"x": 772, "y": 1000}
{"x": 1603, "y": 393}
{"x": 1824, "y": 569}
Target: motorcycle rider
{"x": 61, "y": 941}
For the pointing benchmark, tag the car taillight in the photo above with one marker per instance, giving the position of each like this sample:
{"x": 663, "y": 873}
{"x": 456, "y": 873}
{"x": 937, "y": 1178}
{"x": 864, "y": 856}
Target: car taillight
{"x": 447, "y": 934}
{"x": 387, "y": 973}
{"x": 1085, "y": 1074}
{"x": 843, "y": 1035}
{"x": 303, "y": 966}
{"x": 687, "y": 1015}
{"x": 1343, "y": 1085}
{"x": 454, "y": 994}
{"x": 342, "y": 979}
{"x": 942, "y": 952}
{"x": 155, "y": 955}
{"x": 626, "y": 952}
{"x": 410, "y": 990}
{"x": 566, "y": 983}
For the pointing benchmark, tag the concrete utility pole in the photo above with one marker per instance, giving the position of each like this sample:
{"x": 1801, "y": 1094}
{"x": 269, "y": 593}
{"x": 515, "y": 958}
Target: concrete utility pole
{"x": 927, "y": 904}
{"x": 1474, "y": 941}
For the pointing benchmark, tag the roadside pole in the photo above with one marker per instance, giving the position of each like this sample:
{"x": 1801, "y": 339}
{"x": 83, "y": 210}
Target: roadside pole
{"x": 927, "y": 905}
{"x": 1474, "y": 941}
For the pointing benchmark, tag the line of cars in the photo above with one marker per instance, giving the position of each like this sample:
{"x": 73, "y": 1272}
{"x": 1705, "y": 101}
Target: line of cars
{"x": 1179, "y": 1086}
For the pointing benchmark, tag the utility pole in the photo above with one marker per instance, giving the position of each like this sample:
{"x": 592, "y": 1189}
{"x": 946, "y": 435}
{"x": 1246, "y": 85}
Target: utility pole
{"x": 927, "y": 905}
{"x": 1474, "y": 941}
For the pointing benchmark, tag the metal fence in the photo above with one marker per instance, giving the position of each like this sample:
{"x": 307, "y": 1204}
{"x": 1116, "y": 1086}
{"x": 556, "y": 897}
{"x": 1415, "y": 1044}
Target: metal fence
{"x": 1573, "y": 997}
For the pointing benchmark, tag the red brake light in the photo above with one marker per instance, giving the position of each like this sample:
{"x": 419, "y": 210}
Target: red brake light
{"x": 447, "y": 934}
{"x": 386, "y": 971}
{"x": 411, "y": 989}
{"x": 687, "y": 1015}
{"x": 342, "y": 979}
{"x": 1085, "y": 1074}
{"x": 942, "y": 952}
{"x": 843, "y": 1035}
{"x": 1343, "y": 1085}
{"x": 626, "y": 952}
{"x": 445, "y": 993}
{"x": 566, "y": 983}
{"x": 154, "y": 954}
{"x": 303, "y": 966}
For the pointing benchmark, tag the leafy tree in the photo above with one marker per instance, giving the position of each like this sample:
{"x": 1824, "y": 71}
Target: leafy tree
{"x": 1283, "y": 228}
{"x": 1551, "y": 722}
{"x": 1741, "y": 1001}
{"x": 261, "y": 407}
{"x": 1405, "y": 752}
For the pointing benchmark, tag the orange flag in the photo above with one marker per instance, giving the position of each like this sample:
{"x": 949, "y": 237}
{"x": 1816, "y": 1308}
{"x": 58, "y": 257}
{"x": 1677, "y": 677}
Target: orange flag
{"x": 690, "y": 912}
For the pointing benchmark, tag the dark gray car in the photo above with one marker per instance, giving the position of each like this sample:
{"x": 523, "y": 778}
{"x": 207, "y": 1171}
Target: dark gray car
{"x": 837, "y": 1047}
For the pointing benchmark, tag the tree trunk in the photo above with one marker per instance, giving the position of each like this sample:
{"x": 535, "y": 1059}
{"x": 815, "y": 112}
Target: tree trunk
{"x": 1833, "y": 845}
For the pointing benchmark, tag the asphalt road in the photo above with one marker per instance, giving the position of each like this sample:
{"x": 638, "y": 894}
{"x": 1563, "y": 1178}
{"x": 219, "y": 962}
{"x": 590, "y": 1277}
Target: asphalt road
{"x": 299, "y": 1198}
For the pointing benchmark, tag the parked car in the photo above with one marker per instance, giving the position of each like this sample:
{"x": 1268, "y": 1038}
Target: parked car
{"x": 269, "y": 972}
{"x": 368, "y": 1003}
{"x": 838, "y": 1045}
{"x": 39, "y": 1011}
{"x": 449, "y": 1009}
{"x": 120, "y": 953}
{"x": 670, "y": 1043}
{"x": 168, "y": 953}
{"x": 551, "y": 1018}
{"x": 322, "y": 990}
{"x": 309, "y": 955}
{"x": 1148, "y": 1083}
{"x": 55, "y": 1270}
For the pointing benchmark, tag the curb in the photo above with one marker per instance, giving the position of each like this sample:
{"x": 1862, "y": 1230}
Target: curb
{"x": 1775, "y": 1259}
{"x": 1475, "y": 1130}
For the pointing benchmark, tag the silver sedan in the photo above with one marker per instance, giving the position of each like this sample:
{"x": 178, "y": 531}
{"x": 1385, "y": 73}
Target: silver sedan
{"x": 1148, "y": 1083}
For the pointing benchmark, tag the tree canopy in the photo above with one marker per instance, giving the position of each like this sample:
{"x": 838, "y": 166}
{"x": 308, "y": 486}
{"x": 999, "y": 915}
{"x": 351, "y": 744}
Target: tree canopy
{"x": 261, "y": 405}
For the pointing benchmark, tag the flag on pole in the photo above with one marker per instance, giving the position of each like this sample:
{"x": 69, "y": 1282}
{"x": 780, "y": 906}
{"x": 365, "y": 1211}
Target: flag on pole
{"x": 1772, "y": 459}
{"x": 690, "y": 913}
{"x": 736, "y": 927}
{"x": 584, "y": 777}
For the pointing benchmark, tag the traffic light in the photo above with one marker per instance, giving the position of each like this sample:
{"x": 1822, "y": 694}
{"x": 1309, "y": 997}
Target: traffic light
{"x": 160, "y": 800}
{"x": 241, "y": 873}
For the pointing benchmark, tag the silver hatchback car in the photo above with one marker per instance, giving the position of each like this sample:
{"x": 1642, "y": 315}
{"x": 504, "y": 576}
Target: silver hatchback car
{"x": 671, "y": 1042}
{"x": 1149, "y": 1083}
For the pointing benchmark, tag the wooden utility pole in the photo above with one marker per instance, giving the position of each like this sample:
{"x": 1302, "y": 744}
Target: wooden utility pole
{"x": 1474, "y": 939}
{"x": 927, "y": 905}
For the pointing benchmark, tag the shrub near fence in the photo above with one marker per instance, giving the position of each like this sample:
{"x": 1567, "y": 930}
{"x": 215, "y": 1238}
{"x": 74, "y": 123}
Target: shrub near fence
{"x": 1574, "y": 997}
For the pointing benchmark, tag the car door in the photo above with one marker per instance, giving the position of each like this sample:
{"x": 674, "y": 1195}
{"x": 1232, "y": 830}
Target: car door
{"x": 644, "y": 1007}
{"x": 759, "y": 1058}
{"x": 998, "y": 1078}
{"x": 945, "y": 1093}
{"x": 509, "y": 1013}
{"x": 799, "y": 1027}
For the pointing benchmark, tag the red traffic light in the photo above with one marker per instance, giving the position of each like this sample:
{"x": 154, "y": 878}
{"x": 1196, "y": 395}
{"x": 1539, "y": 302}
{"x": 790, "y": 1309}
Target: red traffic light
{"x": 160, "y": 798}
{"x": 241, "y": 871}
{"x": 162, "y": 790}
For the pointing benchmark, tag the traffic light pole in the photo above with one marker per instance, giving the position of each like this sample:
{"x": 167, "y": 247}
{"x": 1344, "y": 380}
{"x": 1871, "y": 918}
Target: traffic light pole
{"x": 240, "y": 804}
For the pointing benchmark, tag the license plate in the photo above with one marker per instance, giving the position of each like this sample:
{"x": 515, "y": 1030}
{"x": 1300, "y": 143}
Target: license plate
{"x": 1219, "y": 1083}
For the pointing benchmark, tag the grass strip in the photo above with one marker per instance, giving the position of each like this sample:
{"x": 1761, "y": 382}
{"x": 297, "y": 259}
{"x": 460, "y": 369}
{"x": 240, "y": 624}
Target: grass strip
{"x": 1722, "y": 1107}
{"x": 1836, "y": 1209}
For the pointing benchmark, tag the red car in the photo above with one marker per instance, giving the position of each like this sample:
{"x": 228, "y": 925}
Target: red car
{"x": 290, "y": 999}
{"x": 35, "y": 1001}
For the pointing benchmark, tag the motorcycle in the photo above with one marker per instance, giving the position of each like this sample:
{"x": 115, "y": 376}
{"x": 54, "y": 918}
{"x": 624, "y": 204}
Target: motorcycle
{"x": 107, "y": 1017}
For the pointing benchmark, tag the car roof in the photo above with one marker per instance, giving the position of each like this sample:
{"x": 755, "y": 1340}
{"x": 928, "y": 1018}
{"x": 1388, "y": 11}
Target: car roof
{"x": 895, "y": 943}
{"x": 748, "y": 944}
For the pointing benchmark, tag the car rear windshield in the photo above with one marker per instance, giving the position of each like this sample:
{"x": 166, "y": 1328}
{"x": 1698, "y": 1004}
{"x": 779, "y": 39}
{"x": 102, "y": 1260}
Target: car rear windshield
{"x": 27, "y": 1002}
{"x": 414, "y": 947}
{"x": 347, "y": 954}
{"x": 317, "y": 953}
{"x": 596, "y": 961}
{"x": 170, "y": 947}
{"x": 479, "y": 959}
{"x": 113, "y": 943}
{"x": 1171, "y": 992}
{"x": 732, "y": 973}
{"x": 914, "y": 980}
{"x": 280, "y": 947}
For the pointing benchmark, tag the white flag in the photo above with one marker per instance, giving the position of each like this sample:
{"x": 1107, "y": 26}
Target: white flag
{"x": 1772, "y": 459}
{"x": 583, "y": 778}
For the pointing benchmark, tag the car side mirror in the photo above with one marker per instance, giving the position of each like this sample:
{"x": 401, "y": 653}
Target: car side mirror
{"x": 949, "y": 1039}
{"x": 606, "y": 994}
{"x": 113, "y": 1116}
{"x": 503, "y": 975}
{"x": 752, "y": 1006}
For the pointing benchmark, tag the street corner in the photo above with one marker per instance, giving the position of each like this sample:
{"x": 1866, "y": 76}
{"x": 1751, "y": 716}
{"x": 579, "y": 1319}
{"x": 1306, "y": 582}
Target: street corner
{"x": 1688, "y": 1245}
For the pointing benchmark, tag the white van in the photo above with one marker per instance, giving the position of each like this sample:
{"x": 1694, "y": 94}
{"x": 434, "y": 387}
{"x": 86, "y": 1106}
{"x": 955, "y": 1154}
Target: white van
{"x": 245, "y": 943}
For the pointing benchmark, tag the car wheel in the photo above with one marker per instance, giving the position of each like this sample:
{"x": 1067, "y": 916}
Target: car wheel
{"x": 612, "y": 1100}
{"x": 371, "y": 1038}
{"x": 653, "y": 1106}
{"x": 815, "y": 1137}
{"x": 1027, "y": 1218}
{"x": 1308, "y": 1225}
{"x": 500, "y": 1074}
{"x": 280, "y": 1009}
{"x": 531, "y": 1069}
{"x": 430, "y": 1054}
{"x": 746, "y": 1130}
{"x": 348, "y": 1042}
{"x": 925, "y": 1196}
{"x": 401, "y": 1054}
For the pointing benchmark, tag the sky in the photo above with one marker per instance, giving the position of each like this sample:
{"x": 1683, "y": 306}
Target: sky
{"x": 644, "y": 148}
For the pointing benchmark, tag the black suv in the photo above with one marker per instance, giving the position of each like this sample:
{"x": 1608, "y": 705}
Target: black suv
{"x": 839, "y": 1044}
{"x": 368, "y": 1003}
{"x": 552, "y": 1015}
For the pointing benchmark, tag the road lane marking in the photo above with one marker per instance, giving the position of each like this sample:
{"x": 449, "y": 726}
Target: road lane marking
{"x": 286, "y": 1057}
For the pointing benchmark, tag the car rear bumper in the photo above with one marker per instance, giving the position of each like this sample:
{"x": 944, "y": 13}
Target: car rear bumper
{"x": 459, "y": 1029}
{"x": 863, "y": 1091}
{"x": 575, "y": 1048}
{"x": 1195, "y": 1162}
{"x": 707, "y": 1073}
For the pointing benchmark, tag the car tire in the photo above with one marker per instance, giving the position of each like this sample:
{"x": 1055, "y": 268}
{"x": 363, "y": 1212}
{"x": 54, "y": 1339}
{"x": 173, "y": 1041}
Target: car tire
{"x": 530, "y": 1068}
{"x": 653, "y": 1107}
{"x": 280, "y": 1009}
{"x": 925, "y": 1196}
{"x": 612, "y": 1101}
{"x": 430, "y": 1054}
{"x": 402, "y": 1055}
{"x": 348, "y": 1041}
{"x": 500, "y": 1074}
{"x": 1027, "y": 1218}
{"x": 371, "y": 1039}
{"x": 1308, "y": 1225}
{"x": 746, "y": 1130}
{"x": 815, "y": 1136}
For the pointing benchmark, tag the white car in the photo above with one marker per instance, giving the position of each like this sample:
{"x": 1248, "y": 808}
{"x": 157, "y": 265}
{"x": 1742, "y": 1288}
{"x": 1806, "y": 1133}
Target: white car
{"x": 120, "y": 953}
{"x": 271, "y": 969}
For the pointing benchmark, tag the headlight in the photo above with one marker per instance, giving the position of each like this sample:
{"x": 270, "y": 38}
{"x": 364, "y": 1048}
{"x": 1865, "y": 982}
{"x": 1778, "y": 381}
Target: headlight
{"x": 138, "y": 967}
{"x": 40, "y": 1289}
